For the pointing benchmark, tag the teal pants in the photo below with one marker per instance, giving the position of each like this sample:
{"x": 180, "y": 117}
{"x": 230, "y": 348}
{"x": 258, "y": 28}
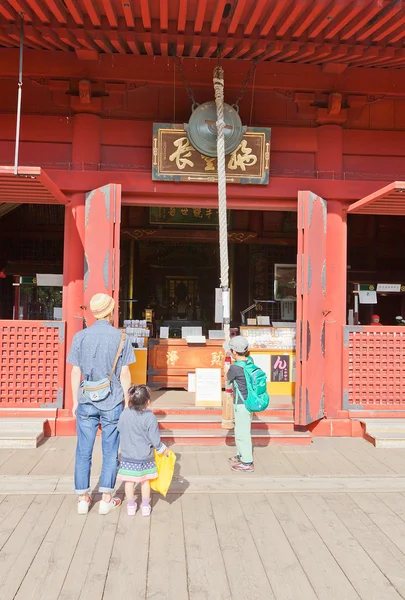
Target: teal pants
{"x": 243, "y": 435}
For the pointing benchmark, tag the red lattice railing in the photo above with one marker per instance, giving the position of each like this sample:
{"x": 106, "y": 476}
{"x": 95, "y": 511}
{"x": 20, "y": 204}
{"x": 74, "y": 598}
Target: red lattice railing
{"x": 32, "y": 363}
{"x": 373, "y": 368}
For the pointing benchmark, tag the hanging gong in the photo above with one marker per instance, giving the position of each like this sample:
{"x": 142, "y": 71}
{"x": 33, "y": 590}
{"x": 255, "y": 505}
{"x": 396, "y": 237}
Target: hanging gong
{"x": 202, "y": 129}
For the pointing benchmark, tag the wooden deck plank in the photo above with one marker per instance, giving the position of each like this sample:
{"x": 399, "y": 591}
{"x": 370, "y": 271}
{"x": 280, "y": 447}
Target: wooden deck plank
{"x": 388, "y": 457}
{"x": 386, "y": 519}
{"x": 88, "y": 570}
{"x": 127, "y": 573}
{"x": 5, "y": 455}
{"x": 45, "y": 577}
{"x": 320, "y": 566}
{"x": 305, "y": 461}
{"x": 287, "y": 577}
{"x": 274, "y": 462}
{"x": 167, "y": 570}
{"x": 361, "y": 458}
{"x": 369, "y": 582}
{"x": 336, "y": 463}
{"x": 23, "y": 462}
{"x": 23, "y": 544}
{"x": 55, "y": 461}
{"x": 246, "y": 574}
{"x": 396, "y": 502}
{"x": 12, "y": 511}
{"x": 186, "y": 461}
{"x": 204, "y": 462}
{"x": 205, "y": 564}
{"x": 385, "y": 554}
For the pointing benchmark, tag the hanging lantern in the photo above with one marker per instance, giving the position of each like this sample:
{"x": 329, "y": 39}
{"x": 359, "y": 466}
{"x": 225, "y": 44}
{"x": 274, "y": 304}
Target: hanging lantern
{"x": 202, "y": 129}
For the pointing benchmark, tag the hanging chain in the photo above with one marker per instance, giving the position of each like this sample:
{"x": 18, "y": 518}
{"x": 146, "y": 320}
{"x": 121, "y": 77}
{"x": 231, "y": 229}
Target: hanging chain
{"x": 186, "y": 82}
{"x": 243, "y": 89}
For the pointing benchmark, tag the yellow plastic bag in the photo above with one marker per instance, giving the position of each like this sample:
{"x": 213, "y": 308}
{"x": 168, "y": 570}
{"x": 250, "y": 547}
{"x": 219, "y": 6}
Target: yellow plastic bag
{"x": 165, "y": 469}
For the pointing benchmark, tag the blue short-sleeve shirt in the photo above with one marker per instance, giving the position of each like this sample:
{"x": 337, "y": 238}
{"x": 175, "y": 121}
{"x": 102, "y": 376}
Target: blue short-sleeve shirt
{"x": 94, "y": 350}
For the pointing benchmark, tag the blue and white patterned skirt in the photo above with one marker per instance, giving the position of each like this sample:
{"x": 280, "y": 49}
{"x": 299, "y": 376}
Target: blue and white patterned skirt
{"x": 137, "y": 472}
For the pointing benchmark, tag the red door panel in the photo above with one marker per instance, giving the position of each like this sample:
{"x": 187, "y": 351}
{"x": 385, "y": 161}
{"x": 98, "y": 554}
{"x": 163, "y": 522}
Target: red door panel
{"x": 311, "y": 293}
{"x": 102, "y": 245}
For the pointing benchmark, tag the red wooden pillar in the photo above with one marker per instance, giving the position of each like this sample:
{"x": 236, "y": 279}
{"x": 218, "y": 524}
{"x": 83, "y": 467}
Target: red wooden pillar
{"x": 336, "y": 273}
{"x": 86, "y": 147}
{"x": 329, "y": 163}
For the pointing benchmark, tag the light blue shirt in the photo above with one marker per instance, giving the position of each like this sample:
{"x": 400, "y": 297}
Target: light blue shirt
{"x": 94, "y": 350}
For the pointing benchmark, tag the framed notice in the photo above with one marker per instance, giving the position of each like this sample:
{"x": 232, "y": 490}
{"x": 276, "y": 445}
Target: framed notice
{"x": 285, "y": 282}
{"x": 280, "y": 368}
{"x": 208, "y": 387}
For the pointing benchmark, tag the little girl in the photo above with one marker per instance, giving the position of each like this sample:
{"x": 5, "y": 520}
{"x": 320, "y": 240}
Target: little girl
{"x": 139, "y": 435}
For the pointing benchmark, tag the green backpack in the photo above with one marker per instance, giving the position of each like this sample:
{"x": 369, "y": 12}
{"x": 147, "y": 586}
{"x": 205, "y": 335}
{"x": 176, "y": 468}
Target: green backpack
{"x": 258, "y": 398}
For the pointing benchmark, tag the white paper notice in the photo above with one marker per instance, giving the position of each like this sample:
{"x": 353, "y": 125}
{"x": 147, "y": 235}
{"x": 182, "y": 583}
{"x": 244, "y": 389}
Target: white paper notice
{"x": 219, "y": 317}
{"x": 262, "y": 361}
{"x": 208, "y": 386}
{"x": 368, "y": 297}
{"x": 164, "y": 333}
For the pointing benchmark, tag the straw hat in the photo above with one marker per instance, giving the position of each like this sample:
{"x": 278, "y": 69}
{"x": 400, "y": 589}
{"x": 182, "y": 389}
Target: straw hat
{"x": 101, "y": 305}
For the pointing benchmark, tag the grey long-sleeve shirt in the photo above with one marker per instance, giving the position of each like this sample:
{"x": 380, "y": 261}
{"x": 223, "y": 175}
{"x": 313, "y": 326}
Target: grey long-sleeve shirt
{"x": 139, "y": 435}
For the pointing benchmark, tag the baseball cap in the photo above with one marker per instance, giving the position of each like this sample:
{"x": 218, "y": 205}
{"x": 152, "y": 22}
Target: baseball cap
{"x": 238, "y": 343}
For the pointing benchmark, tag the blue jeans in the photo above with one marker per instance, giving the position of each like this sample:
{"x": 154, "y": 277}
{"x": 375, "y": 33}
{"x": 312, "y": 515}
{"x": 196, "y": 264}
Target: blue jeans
{"x": 88, "y": 419}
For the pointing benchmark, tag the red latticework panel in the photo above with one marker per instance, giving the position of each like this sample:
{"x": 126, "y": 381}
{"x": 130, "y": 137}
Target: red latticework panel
{"x": 374, "y": 375}
{"x": 32, "y": 363}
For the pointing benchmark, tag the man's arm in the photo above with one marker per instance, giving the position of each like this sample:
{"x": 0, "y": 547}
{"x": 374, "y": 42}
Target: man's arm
{"x": 125, "y": 379}
{"x": 75, "y": 382}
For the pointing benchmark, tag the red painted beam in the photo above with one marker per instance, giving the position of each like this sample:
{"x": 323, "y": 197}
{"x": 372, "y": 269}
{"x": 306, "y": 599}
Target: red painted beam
{"x": 182, "y": 18}
{"x": 365, "y": 16}
{"x": 199, "y": 19}
{"x": 128, "y": 16}
{"x": 272, "y": 17}
{"x": 76, "y": 13}
{"x": 324, "y": 20}
{"x": 92, "y": 12}
{"x": 8, "y": 14}
{"x": 259, "y": 6}
{"x": 217, "y": 17}
{"x": 307, "y": 18}
{"x": 117, "y": 42}
{"x": 380, "y": 21}
{"x": 391, "y": 27}
{"x": 164, "y": 15}
{"x": 39, "y": 10}
{"x": 110, "y": 13}
{"x": 348, "y": 15}
{"x": 236, "y": 17}
{"x": 20, "y": 7}
{"x": 145, "y": 14}
{"x": 59, "y": 10}
{"x": 290, "y": 17}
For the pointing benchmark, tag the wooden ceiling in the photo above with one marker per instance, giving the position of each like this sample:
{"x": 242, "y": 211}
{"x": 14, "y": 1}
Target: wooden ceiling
{"x": 341, "y": 33}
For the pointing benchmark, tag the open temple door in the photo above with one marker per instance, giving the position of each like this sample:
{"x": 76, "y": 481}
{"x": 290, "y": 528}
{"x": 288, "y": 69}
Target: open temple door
{"x": 102, "y": 245}
{"x": 311, "y": 294}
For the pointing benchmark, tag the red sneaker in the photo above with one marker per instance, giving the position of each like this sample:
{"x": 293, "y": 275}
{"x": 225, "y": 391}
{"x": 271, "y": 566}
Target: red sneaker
{"x": 240, "y": 466}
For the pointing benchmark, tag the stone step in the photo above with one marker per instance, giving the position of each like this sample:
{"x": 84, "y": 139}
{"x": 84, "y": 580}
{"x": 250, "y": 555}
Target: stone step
{"x": 202, "y": 421}
{"x": 17, "y": 433}
{"x": 20, "y": 439}
{"x": 213, "y": 437}
{"x": 385, "y": 433}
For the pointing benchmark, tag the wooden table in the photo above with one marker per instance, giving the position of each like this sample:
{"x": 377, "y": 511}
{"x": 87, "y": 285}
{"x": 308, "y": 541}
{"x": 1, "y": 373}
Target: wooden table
{"x": 170, "y": 361}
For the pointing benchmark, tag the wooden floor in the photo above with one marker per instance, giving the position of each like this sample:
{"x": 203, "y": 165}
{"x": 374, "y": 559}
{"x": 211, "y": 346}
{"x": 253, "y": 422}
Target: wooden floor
{"x": 339, "y": 545}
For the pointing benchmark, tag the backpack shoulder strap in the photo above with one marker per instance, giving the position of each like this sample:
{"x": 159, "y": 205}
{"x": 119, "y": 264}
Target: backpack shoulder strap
{"x": 117, "y": 355}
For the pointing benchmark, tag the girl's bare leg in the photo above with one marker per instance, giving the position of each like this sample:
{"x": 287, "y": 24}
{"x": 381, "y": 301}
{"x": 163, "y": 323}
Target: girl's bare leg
{"x": 145, "y": 491}
{"x": 129, "y": 495}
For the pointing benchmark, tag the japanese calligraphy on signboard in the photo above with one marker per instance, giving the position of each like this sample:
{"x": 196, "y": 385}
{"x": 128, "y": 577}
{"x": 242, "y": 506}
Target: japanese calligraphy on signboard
{"x": 280, "y": 368}
{"x": 175, "y": 159}
{"x": 162, "y": 215}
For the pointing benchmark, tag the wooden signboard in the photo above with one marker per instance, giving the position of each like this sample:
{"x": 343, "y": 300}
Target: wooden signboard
{"x": 208, "y": 387}
{"x": 175, "y": 159}
{"x": 280, "y": 368}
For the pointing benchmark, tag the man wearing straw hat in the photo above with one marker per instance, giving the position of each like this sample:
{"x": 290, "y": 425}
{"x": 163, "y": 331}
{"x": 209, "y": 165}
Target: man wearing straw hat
{"x": 100, "y": 356}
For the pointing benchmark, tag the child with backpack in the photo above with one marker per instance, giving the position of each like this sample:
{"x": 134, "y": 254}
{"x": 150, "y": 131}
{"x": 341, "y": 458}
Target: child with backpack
{"x": 250, "y": 395}
{"x": 139, "y": 436}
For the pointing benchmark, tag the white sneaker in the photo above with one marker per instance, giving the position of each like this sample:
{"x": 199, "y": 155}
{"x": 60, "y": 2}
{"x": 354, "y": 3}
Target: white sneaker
{"x": 106, "y": 507}
{"x": 146, "y": 510}
{"x": 83, "y": 506}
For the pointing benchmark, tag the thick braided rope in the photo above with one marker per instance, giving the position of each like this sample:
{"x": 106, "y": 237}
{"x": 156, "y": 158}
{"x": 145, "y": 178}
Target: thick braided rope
{"x": 223, "y": 226}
